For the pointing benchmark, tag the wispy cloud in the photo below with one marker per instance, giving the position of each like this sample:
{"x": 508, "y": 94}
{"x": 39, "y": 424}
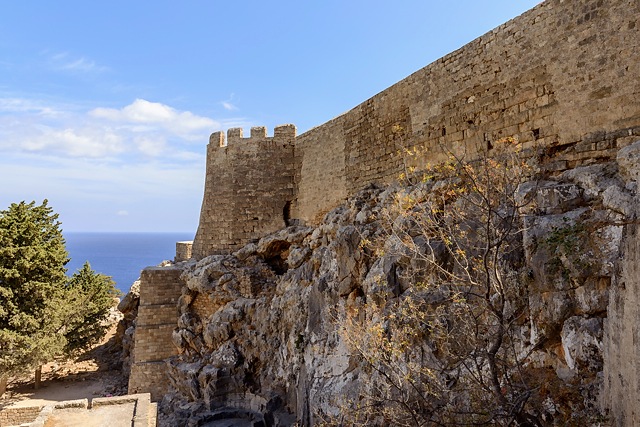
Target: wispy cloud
{"x": 94, "y": 194}
{"x": 22, "y": 105}
{"x": 228, "y": 105}
{"x": 64, "y": 61}
{"x": 75, "y": 142}
{"x": 143, "y": 128}
{"x": 144, "y": 158}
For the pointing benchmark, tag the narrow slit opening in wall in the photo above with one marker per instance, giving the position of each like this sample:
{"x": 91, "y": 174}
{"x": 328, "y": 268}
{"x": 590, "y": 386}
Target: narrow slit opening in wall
{"x": 536, "y": 133}
{"x": 286, "y": 213}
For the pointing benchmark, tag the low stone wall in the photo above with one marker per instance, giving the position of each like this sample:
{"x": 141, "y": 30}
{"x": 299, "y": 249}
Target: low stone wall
{"x": 184, "y": 250}
{"x": 19, "y": 415}
{"x": 138, "y": 412}
{"x": 160, "y": 289}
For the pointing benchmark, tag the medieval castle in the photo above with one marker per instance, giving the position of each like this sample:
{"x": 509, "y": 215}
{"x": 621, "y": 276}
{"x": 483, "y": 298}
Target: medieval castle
{"x": 564, "y": 76}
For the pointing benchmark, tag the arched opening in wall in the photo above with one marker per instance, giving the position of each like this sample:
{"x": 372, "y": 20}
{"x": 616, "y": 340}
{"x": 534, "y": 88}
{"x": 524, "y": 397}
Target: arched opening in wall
{"x": 286, "y": 213}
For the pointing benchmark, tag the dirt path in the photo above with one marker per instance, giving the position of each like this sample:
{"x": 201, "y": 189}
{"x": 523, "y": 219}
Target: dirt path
{"x": 96, "y": 384}
{"x": 104, "y": 416}
{"x": 94, "y": 374}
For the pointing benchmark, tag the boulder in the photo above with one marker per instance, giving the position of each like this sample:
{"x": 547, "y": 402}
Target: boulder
{"x": 131, "y": 299}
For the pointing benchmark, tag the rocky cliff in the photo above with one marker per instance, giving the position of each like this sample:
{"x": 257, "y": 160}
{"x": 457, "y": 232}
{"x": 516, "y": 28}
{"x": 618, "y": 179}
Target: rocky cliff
{"x": 368, "y": 319}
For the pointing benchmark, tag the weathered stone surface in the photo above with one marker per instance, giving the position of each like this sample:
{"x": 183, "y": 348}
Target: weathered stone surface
{"x": 529, "y": 83}
{"x": 128, "y": 306}
{"x": 628, "y": 159}
{"x": 160, "y": 289}
{"x": 279, "y": 336}
{"x": 130, "y": 301}
{"x": 229, "y": 219}
{"x": 582, "y": 343}
{"x": 621, "y": 391}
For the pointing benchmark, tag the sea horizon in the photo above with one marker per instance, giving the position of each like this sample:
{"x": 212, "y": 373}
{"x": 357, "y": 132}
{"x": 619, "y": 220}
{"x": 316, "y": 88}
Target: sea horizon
{"x": 121, "y": 254}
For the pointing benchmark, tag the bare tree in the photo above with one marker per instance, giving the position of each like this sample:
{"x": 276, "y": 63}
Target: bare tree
{"x": 440, "y": 347}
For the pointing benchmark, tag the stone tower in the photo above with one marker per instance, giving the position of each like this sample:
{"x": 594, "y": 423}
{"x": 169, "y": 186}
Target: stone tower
{"x": 249, "y": 188}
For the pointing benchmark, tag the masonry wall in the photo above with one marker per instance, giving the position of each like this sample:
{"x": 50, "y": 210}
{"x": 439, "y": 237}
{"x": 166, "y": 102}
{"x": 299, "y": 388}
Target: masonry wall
{"x": 19, "y": 415}
{"x": 160, "y": 288}
{"x": 249, "y": 188}
{"x": 184, "y": 251}
{"x": 564, "y": 75}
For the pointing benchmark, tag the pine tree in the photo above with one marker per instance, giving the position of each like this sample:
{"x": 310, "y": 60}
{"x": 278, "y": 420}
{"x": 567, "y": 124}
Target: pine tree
{"x": 32, "y": 287}
{"x": 91, "y": 295}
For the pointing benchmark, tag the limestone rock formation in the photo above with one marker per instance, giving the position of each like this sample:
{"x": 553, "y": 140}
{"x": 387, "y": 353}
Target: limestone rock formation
{"x": 259, "y": 330}
{"x": 126, "y": 327}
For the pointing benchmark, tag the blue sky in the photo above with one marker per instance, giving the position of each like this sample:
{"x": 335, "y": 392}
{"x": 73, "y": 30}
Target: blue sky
{"x": 106, "y": 107}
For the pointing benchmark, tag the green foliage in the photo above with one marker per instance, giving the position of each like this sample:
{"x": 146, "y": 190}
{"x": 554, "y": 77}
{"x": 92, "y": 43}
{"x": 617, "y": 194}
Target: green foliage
{"x": 567, "y": 242}
{"x": 43, "y": 313}
{"x": 32, "y": 284}
{"x": 91, "y": 295}
{"x": 566, "y": 239}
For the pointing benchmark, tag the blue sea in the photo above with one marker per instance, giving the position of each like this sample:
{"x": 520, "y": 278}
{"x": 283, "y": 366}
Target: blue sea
{"x": 121, "y": 255}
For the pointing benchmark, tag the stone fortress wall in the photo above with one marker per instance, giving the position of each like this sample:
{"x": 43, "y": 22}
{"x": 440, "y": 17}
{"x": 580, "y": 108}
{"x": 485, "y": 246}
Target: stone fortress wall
{"x": 563, "y": 76}
{"x": 250, "y": 188}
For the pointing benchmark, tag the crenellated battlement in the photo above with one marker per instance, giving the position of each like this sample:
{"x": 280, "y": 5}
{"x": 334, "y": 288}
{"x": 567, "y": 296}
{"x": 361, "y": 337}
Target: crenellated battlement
{"x": 217, "y": 139}
{"x": 249, "y": 187}
{"x": 283, "y": 134}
